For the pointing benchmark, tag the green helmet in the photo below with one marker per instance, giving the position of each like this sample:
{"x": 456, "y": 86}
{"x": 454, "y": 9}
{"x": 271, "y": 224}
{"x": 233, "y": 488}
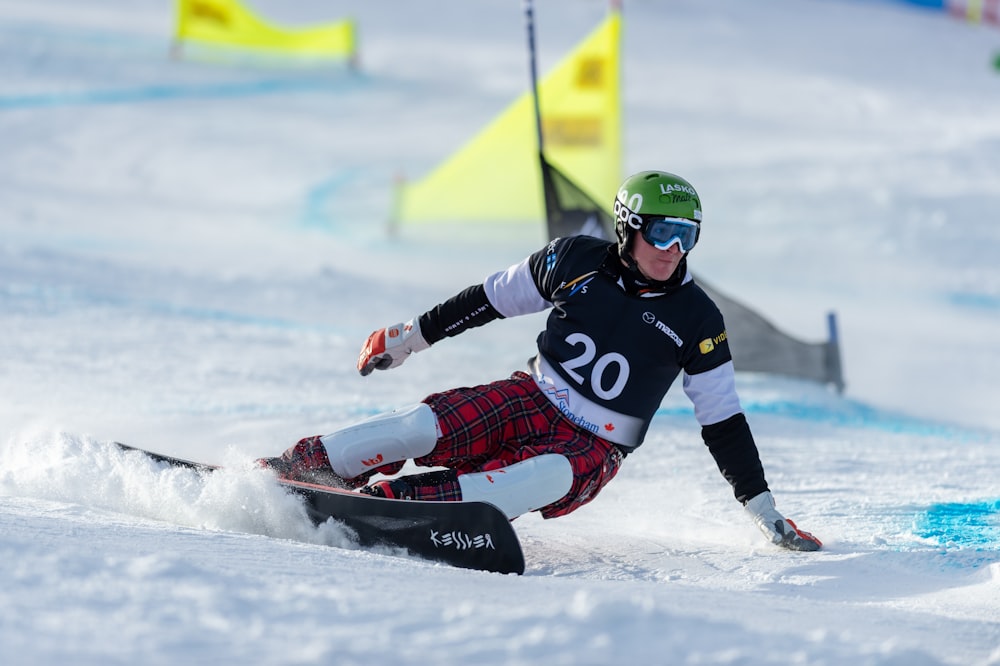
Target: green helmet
{"x": 664, "y": 208}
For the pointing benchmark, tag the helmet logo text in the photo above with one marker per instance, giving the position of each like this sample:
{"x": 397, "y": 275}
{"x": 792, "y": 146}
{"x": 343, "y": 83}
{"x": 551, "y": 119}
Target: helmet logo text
{"x": 623, "y": 212}
{"x": 670, "y": 188}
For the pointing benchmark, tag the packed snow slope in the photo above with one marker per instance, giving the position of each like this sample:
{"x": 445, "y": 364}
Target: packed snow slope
{"x": 193, "y": 250}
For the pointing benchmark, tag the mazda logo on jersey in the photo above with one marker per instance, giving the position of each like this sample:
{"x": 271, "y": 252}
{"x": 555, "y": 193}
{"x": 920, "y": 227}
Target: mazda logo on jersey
{"x": 650, "y": 318}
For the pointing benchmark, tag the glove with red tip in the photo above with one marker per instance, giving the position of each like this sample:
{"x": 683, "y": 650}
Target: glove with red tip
{"x": 388, "y": 347}
{"x": 778, "y": 529}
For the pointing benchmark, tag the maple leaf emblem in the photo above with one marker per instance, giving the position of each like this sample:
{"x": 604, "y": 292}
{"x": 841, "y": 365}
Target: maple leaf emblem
{"x": 609, "y": 426}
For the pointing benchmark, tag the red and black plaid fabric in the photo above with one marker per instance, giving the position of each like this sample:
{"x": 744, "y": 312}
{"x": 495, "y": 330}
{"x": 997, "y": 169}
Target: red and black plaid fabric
{"x": 498, "y": 424}
{"x": 484, "y": 428}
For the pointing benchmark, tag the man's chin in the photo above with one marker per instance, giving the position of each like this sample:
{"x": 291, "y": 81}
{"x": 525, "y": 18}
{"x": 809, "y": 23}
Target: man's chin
{"x": 663, "y": 275}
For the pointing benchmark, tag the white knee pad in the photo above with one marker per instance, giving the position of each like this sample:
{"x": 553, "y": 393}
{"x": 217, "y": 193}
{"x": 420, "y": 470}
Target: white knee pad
{"x": 521, "y": 487}
{"x": 402, "y": 434}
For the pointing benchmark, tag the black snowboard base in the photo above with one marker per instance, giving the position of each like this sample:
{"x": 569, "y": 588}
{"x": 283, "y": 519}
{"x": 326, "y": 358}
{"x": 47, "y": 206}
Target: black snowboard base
{"x": 469, "y": 535}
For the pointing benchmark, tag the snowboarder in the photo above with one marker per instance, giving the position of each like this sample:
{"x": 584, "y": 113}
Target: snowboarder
{"x": 626, "y": 318}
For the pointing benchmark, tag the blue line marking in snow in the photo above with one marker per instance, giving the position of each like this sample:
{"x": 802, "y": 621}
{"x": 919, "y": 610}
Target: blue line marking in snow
{"x": 981, "y": 301}
{"x": 164, "y": 92}
{"x": 853, "y": 414}
{"x": 225, "y": 316}
{"x": 962, "y": 524}
{"x": 315, "y": 215}
{"x": 929, "y": 4}
{"x": 845, "y": 413}
{"x": 54, "y": 298}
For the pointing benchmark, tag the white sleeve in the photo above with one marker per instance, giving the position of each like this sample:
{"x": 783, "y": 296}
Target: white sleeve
{"x": 713, "y": 394}
{"x": 513, "y": 292}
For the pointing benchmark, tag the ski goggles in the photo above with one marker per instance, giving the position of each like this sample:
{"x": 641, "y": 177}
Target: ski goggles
{"x": 662, "y": 232}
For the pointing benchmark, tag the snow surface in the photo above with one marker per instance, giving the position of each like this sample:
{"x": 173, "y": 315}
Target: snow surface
{"x": 193, "y": 251}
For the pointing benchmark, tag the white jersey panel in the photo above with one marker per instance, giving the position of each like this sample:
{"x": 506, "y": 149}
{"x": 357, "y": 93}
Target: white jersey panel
{"x": 713, "y": 394}
{"x": 513, "y": 292}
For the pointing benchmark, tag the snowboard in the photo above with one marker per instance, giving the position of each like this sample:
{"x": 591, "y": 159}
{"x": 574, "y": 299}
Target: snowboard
{"x": 469, "y": 535}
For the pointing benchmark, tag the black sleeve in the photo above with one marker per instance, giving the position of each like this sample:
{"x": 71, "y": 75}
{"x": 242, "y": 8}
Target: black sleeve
{"x": 731, "y": 444}
{"x": 466, "y": 309}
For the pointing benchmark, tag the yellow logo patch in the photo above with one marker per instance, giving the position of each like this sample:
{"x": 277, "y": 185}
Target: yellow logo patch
{"x": 707, "y": 345}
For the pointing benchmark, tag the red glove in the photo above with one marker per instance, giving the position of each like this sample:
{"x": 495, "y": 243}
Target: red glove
{"x": 388, "y": 347}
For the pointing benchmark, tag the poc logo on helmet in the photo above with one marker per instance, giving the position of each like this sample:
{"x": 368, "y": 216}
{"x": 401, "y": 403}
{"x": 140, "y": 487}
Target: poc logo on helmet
{"x": 624, "y": 214}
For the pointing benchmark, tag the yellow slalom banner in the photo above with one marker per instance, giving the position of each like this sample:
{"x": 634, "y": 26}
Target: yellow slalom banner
{"x": 229, "y": 23}
{"x": 497, "y": 177}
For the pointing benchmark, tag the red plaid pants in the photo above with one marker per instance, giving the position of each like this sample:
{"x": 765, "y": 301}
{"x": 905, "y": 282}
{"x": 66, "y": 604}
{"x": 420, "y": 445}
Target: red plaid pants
{"x": 495, "y": 425}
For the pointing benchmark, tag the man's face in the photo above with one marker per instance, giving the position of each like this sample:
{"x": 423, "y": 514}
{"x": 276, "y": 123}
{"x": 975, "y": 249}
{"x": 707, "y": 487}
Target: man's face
{"x": 655, "y": 264}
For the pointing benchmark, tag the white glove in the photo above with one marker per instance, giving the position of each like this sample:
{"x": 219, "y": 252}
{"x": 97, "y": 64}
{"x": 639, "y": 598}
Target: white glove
{"x": 778, "y": 529}
{"x": 388, "y": 347}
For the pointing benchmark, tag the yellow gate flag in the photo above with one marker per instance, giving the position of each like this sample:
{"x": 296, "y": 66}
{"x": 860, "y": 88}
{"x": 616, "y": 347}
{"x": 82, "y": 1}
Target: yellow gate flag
{"x": 229, "y": 23}
{"x": 497, "y": 176}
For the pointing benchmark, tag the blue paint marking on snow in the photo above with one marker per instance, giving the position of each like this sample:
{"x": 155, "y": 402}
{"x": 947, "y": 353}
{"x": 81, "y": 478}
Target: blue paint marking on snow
{"x": 929, "y": 4}
{"x": 17, "y": 297}
{"x": 961, "y": 525}
{"x": 849, "y": 413}
{"x": 979, "y": 301}
{"x": 844, "y": 413}
{"x": 315, "y": 214}
{"x": 159, "y": 93}
{"x": 225, "y": 316}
